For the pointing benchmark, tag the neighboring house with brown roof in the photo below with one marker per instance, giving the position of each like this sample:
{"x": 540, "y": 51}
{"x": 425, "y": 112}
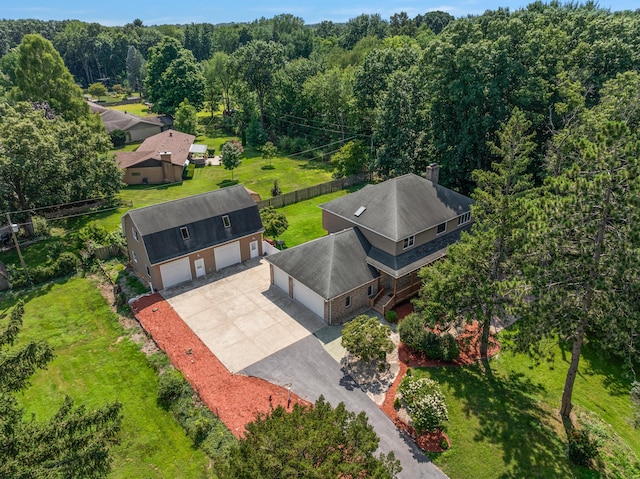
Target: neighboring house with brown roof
{"x": 177, "y": 241}
{"x": 160, "y": 158}
{"x": 379, "y": 238}
{"x": 135, "y": 127}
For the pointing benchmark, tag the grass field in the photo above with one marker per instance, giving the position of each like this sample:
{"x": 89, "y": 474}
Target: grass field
{"x": 504, "y": 423}
{"x": 95, "y": 364}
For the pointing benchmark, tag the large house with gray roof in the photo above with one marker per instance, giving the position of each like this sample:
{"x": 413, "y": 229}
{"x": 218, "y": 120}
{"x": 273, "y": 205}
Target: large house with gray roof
{"x": 379, "y": 238}
{"x": 177, "y": 241}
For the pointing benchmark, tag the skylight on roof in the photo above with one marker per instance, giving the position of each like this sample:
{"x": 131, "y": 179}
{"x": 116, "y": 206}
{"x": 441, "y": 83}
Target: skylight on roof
{"x": 360, "y": 210}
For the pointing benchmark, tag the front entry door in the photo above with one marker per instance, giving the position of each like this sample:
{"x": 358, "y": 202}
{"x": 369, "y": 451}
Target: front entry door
{"x": 254, "y": 249}
{"x": 199, "y": 264}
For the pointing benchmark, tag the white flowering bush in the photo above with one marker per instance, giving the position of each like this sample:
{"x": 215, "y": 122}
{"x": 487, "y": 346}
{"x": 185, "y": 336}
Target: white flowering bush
{"x": 424, "y": 402}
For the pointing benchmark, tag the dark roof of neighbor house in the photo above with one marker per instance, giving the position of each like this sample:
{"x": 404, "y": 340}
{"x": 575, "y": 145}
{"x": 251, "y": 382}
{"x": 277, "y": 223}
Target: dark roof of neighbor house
{"x": 159, "y": 225}
{"x": 331, "y": 265}
{"x": 400, "y": 207}
{"x": 414, "y": 258}
{"x": 119, "y": 120}
{"x": 172, "y": 141}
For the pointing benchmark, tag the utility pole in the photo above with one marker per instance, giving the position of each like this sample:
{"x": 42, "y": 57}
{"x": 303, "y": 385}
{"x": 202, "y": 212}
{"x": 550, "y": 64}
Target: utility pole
{"x": 14, "y": 230}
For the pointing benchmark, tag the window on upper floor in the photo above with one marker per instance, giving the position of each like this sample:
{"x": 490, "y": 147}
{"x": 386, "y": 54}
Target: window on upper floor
{"x": 134, "y": 257}
{"x": 135, "y": 233}
{"x": 184, "y": 231}
{"x": 409, "y": 242}
{"x": 442, "y": 227}
{"x": 226, "y": 221}
{"x": 465, "y": 218}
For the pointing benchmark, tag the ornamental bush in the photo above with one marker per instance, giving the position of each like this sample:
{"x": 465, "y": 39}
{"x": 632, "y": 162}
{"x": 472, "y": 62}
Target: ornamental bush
{"x": 413, "y": 332}
{"x": 424, "y": 402}
{"x": 582, "y": 448}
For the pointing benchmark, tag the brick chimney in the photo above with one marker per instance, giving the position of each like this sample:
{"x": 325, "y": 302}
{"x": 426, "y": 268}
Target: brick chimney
{"x": 165, "y": 156}
{"x": 433, "y": 172}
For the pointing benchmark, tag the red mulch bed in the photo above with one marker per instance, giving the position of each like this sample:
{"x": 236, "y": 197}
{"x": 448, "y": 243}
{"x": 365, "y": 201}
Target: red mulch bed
{"x": 234, "y": 398}
{"x": 469, "y": 342}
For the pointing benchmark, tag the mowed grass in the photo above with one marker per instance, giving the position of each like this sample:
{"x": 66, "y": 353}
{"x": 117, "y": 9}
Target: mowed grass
{"x": 96, "y": 364}
{"x": 504, "y": 422}
{"x": 305, "y": 218}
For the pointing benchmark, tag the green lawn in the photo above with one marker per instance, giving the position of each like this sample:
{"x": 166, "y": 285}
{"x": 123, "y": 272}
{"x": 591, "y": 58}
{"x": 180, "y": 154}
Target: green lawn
{"x": 504, "y": 424}
{"x": 95, "y": 364}
{"x": 139, "y": 109}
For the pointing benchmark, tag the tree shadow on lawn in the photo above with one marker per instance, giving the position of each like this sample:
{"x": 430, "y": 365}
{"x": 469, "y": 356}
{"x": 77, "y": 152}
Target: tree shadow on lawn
{"x": 509, "y": 416}
{"x": 596, "y": 362}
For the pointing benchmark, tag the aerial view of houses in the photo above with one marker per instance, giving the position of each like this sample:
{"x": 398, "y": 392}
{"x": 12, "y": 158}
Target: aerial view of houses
{"x": 400, "y": 244}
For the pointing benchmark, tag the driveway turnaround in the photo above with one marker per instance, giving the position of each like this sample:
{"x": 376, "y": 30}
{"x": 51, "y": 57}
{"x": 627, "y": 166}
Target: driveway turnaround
{"x": 309, "y": 370}
{"x": 239, "y": 316}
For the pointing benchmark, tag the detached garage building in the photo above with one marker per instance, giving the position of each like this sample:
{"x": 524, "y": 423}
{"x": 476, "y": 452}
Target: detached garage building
{"x": 177, "y": 241}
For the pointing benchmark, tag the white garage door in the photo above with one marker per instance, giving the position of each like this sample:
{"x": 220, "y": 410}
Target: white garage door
{"x": 311, "y": 300}
{"x": 281, "y": 279}
{"x": 227, "y": 255}
{"x": 177, "y": 271}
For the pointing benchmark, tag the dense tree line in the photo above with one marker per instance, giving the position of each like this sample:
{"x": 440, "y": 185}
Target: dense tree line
{"x": 414, "y": 90}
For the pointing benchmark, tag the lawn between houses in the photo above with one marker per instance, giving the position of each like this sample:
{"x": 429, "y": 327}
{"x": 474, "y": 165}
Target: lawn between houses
{"x": 96, "y": 363}
{"x": 505, "y": 422}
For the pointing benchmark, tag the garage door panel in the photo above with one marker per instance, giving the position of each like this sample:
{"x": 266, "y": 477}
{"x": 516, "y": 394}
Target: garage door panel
{"x": 310, "y": 299}
{"x": 281, "y": 279}
{"x": 227, "y": 255}
{"x": 175, "y": 272}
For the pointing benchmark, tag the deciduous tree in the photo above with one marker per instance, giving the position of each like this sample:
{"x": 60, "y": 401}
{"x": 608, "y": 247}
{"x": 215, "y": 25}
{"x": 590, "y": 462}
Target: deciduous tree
{"x": 274, "y": 221}
{"x": 367, "y": 338}
{"x": 186, "y": 119}
{"x": 231, "y": 155}
{"x": 41, "y": 76}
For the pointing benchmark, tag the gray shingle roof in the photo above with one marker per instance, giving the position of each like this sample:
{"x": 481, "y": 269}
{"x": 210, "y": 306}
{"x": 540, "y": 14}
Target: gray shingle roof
{"x": 159, "y": 225}
{"x": 331, "y": 265}
{"x": 400, "y": 207}
{"x": 119, "y": 120}
{"x": 415, "y": 258}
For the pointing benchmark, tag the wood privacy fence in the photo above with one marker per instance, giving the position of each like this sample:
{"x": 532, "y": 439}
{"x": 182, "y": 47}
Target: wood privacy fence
{"x": 105, "y": 252}
{"x": 313, "y": 191}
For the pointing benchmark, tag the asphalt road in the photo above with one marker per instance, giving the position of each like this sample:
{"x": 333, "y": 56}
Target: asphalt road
{"x": 311, "y": 371}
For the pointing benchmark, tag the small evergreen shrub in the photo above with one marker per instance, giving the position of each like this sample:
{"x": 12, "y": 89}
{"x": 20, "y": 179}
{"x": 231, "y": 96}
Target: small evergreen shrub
{"x": 171, "y": 387}
{"x": 582, "y": 448}
{"x": 391, "y": 316}
{"x": 412, "y": 331}
{"x": 118, "y": 138}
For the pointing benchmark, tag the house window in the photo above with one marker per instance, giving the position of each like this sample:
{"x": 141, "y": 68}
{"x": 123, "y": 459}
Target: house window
{"x": 135, "y": 173}
{"x": 370, "y": 290}
{"x": 226, "y": 221}
{"x": 442, "y": 227}
{"x": 135, "y": 233}
{"x": 347, "y": 301}
{"x": 465, "y": 218}
{"x": 148, "y": 272}
{"x": 409, "y": 242}
{"x": 133, "y": 255}
{"x": 184, "y": 231}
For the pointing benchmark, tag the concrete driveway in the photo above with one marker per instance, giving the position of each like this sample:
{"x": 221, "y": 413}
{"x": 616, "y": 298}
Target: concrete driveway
{"x": 239, "y": 316}
{"x": 259, "y": 331}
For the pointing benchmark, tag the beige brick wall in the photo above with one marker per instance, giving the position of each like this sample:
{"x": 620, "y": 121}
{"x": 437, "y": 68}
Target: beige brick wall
{"x": 340, "y": 313}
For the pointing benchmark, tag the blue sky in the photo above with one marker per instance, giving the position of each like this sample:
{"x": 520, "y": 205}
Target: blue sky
{"x": 152, "y": 12}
